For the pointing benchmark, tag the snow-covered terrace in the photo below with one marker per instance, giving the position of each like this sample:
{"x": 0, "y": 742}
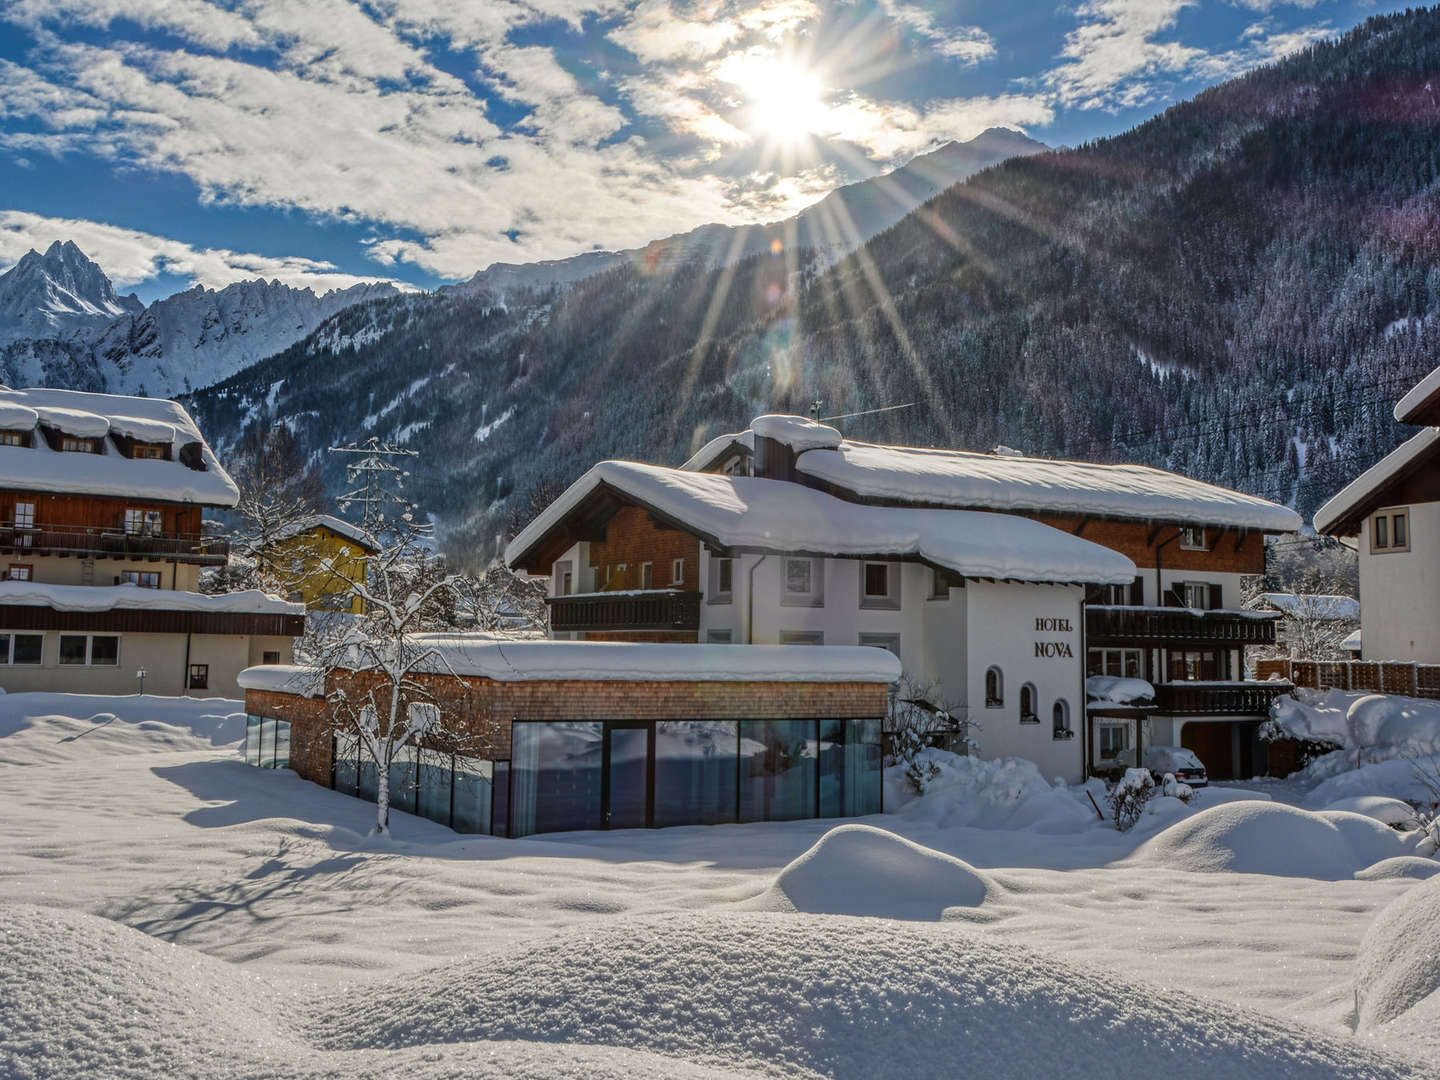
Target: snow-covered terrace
{"x": 748, "y": 514}
{"x": 94, "y": 416}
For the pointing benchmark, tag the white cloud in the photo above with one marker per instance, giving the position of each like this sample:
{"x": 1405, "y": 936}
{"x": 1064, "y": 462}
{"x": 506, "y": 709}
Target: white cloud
{"x": 968, "y": 43}
{"x": 1111, "y": 58}
{"x": 129, "y": 256}
{"x": 890, "y": 130}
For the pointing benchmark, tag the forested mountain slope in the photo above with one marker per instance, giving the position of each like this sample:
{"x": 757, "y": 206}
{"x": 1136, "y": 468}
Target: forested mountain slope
{"x": 1238, "y": 289}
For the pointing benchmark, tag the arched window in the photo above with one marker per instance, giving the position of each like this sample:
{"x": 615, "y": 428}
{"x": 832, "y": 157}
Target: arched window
{"x": 1061, "y": 713}
{"x": 1029, "y": 706}
{"x": 994, "y": 689}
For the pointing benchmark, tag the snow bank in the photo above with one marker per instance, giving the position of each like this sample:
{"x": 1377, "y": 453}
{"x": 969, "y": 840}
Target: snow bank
{"x": 1387, "y": 811}
{"x": 1002, "y": 793}
{"x": 1270, "y": 838}
{"x": 1401, "y": 867}
{"x": 754, "y": 514}
{"x": 1383, "y": 725}
{"x": 1118, "y": 691}
{"x": 1396, "y": 778}
{"x": 836, "y": 997}
{"x": 1398, "y": 965}
{"x": 39, "y": 728}
{"x": 862, "y": 870}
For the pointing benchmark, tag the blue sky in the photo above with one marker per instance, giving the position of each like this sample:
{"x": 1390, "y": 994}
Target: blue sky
{"x": 331, "y": 141}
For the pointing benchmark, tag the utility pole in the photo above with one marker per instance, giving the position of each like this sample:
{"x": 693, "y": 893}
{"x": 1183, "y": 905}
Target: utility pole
{"x": 376, "y": 477}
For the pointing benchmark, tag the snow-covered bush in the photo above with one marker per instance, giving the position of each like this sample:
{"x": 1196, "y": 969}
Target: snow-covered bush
{"x": 1128, "y": 797}
{"x": 919, "y": 769}
{"x": 1176, "y": 789}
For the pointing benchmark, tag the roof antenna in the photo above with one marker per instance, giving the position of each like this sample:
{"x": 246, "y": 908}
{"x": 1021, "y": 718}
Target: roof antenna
{"x": 867, "y": 412}
{"x": 815, "y": 407}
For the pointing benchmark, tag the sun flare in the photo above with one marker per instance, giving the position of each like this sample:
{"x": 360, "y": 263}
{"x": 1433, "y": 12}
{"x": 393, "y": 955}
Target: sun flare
{"x": 785, "y": 101}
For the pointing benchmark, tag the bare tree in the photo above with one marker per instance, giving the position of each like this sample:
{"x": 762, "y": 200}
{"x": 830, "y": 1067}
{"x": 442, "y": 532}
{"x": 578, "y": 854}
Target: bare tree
{"x": 280, "y": 493}
{"x": 918, "y": 715}
{"x": 499, "y": 600}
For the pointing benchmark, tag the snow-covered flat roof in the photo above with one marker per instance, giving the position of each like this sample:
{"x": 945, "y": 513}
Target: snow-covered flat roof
{"x": 39, "y": 468}
{"x": 1341, "y": 512}
{"x": 133, "y": 597}
{"x": 1314, "y": 605}
{"x": 284, "y": 679}
{"x": 750, "y": 514}
{"x": 1420, "y": 395}
{"x": 1004, "y": 482}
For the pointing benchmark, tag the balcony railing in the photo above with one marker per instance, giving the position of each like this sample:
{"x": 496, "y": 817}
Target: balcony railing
{"x": 650, "y": 609}
{"x": 111, "y": 543}
{"x": 1154, "y": 626}
{"x": 1218, "y": 698}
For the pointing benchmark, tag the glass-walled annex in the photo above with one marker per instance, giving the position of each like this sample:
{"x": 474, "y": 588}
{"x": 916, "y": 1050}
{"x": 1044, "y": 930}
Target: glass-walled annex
{"x": 618, "y": 774}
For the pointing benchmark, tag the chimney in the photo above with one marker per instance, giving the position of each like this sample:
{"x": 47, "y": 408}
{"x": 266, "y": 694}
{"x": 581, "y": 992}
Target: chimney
{"x": 780, "y": 440}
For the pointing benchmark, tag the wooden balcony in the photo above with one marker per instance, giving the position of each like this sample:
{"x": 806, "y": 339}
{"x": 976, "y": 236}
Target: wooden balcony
{"x": 650, "y": 609}
{"x": 90, "y": 542}
{"x": 1218, "y": 698}
{"x": 1168, "y": 627}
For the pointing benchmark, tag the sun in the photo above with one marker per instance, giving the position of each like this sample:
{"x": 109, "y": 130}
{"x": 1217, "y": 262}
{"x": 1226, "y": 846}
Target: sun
{"x": 784, "y": 99}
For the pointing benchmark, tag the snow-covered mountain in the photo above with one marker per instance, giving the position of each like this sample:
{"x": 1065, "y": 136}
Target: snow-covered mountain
{"x": 61, "y": 324}
{"x": 58, "y": 293}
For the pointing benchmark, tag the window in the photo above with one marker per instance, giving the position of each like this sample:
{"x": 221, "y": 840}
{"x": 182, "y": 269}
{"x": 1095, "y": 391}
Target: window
{"x": 677, "y": 571}
{"x": 1061, "y": 717}
{"x": 1127, "y": 663}
{"x": 71, "y": 445}
{"x": 941, "y": 582}
{"x": 994, "y": 689}
{"x": 879, "y": 585}
{"x": 1195, "y": 595}
{"x": 270, "y": 656}
{"x": 26, "y": 649}
{"x": 267, "y": 745}
{"x": 1191, "y": 665}
{"x": 24, "y": 515}
{"x": 72, "y": 648}
{"x": 21, "y": 572}
{"x": 143, "y": 522}
{"x": 14, "y": 438}
{"x": 1029, "y": 708}
{"x": 1192, "y": 538}
{"x": 151, "y": 451}
{"x": 720, "y": 637}
{"x": 647, "y": 575}
{"x": 722, "y": 580}
{"x": 882, "y": 641}
{"x": 1110, "y": 595}
{"x": 1114, "y": 740}
{"x": 146, "y": 579}
{"x": 802, "y": 637}
{"x": 803, "y": 581}
{"x": 199, "y": 677}
{"x": 104, "y": 650}
{"x": 1390, "y": 531}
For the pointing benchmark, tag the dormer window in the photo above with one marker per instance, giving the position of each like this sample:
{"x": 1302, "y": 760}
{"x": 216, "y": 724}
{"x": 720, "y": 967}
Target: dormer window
{"x": 71, "y": 444}
{"x": 14, "y": 438}
{"x": 150, "y": 451}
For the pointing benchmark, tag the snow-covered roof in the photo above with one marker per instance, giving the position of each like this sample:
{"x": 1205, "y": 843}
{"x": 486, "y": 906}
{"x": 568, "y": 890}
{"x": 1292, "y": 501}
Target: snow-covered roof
{"x": 1417, "y": 406}
{"x": 132, "y": 597}
{"x": 706, "y": 455}
{"x": 1353, "y": 642}
{"x": 796, "y": 432}
{"x": 508, "y": 660}
{"x": 1314, "y": 605}
{"x": 340, "y": 526}
{"x": 284, "y": 679}
{"x": 1116, "y": 690}
{"x": 39, "y": 468}
{"x": 1343, "y": 512}
{"x": 1002, "y": 482}
{"x": 750, "y": 514}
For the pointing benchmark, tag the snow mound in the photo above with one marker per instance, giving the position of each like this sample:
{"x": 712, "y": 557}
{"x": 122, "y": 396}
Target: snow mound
{"x": 1270, "y": 838}
{"x": 862, "y": 870}
{"x": 1398, "y": 965}
{"x": 39, "y": 728}
{"x": 1001, "y": 793}
{"x": 1387, "y": 811}
{"x": 1400, "y": 867}
{"x": 1398, "y": 778}
{"x": 1381, "y": 725}
{"x": 840, "y": 998}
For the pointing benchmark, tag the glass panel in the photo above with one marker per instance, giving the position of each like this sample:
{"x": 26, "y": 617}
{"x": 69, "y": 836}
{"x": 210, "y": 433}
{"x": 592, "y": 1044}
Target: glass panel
{"x": 832, "y": 768}
{"x": 877, "y": 579}
{"x": 282, "y": 744}
{"x": 1399, "y": 530}
{"x": 252, "y": 740}
{"x": 4, "y": 648}
{"x": 367, "y": 781}
{"x": 797, "y": 576}
{"x": 474, "y": 795}
{"x": 777, "y": 769}
{"x": 500, "y": 802}
{"x": 72, "y": 648}
{"x": 27, "y": 648}
{"x": 105, "y": 650}
{"x": 403, "y": 779}
{"x": 267, "y": 743}
{"x": 863, "y": 765}
{"x": 695, "y": 764}
{"x": 1132, "y": 663}
{"x": 347, "y": 746}
{"x": 629, "y": 777}
{"x": 433, "y": 799}
{"x": 555, "y": 776}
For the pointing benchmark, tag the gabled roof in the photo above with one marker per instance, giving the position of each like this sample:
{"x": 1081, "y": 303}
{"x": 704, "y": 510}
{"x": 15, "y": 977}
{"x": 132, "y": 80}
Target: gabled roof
{"x": 39, "y": 468}
{"x": 1372, "y": 489}
{"x": 1422, "y": 404}
{"x": 339, "y": 526}
{"x": 1323, "y": 606}
{"x": 741, "y": 513}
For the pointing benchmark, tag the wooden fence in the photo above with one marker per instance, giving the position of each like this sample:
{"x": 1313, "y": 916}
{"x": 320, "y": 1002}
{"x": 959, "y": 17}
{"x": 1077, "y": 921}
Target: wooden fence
{"x": 1390, "y": 677}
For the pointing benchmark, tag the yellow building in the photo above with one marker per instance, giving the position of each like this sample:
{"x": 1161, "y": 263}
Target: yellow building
{"x": 300, "y": 556}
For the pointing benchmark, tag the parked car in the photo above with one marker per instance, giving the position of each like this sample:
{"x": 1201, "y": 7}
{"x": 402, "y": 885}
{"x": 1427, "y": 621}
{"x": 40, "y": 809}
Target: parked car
{"x": 1178, "y": 762}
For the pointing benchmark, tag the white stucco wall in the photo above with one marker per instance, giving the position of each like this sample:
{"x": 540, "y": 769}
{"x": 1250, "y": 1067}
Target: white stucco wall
{"x": 54, "y": 570}
{"x": 1400, "y": 592}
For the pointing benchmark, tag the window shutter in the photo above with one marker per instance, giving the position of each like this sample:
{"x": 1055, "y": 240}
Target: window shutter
{"x": 1137, "y": 591}
{"x": 1216, "y": 600}
{"x": 1174, "y": 597}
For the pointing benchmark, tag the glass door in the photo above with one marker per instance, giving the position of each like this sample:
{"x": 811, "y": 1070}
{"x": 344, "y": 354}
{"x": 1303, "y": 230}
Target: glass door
{"x": 627, "y": 775}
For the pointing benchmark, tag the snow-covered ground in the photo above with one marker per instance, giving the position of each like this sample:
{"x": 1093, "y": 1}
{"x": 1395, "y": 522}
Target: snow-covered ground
{"x": 167, "y": 911}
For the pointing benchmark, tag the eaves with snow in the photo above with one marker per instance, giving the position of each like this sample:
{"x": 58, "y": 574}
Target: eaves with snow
{"x": 188, "y": 473}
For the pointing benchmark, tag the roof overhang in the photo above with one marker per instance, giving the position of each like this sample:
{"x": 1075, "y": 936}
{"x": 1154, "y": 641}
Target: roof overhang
{"x": 1422, "y": 404}
{"x": 1380, "y": 485}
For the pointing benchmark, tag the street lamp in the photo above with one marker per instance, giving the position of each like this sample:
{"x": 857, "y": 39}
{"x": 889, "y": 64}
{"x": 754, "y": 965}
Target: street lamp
{"x": 141, "y": 676}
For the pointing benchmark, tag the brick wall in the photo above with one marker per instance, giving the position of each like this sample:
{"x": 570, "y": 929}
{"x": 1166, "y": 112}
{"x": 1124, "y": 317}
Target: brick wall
{"x": 632, "y": 538}
{"x": 1131, "y": 539}
{"x": 481, "y": 710}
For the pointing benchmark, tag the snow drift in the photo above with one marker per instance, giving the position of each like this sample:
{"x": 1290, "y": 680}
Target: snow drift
{"x": 862, "y": 870}
{"x": 1001, "y": 793}
{"x": 1270, "y": 838}
{"x": 1398, "y": 966}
